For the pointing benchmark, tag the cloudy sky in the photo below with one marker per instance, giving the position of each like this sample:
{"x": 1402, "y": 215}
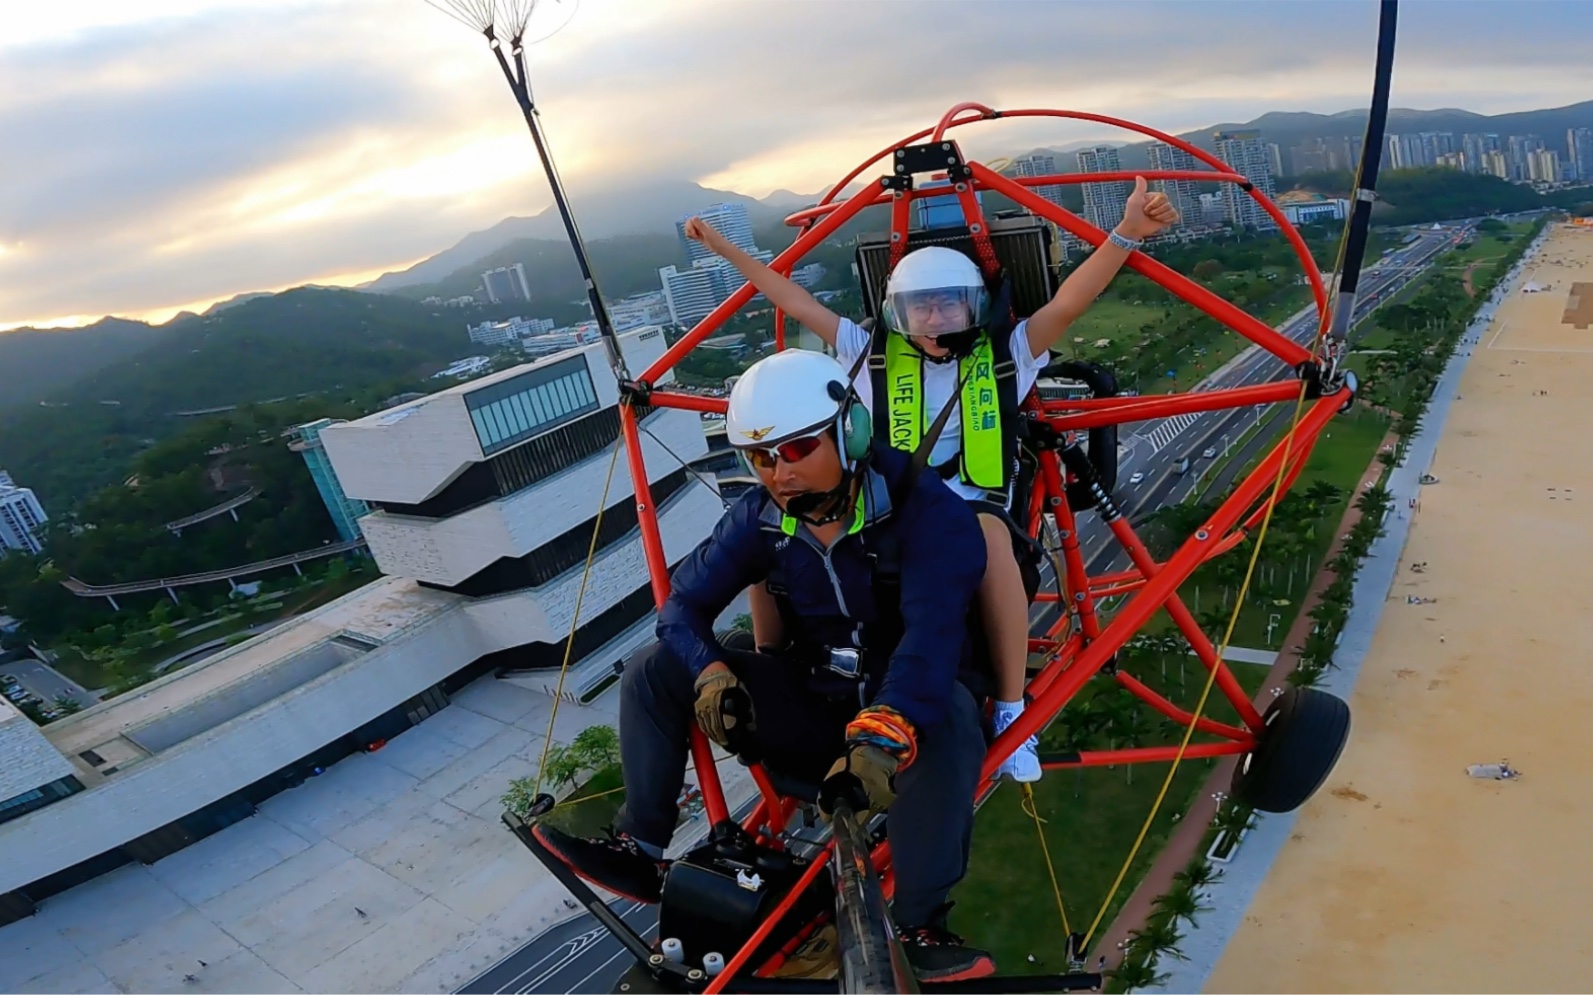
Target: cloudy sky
{"x": 162, "y": 154}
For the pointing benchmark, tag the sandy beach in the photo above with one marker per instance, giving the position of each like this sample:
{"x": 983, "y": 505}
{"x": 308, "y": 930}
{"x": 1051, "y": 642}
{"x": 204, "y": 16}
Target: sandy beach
{"x": 1404, "y": 874}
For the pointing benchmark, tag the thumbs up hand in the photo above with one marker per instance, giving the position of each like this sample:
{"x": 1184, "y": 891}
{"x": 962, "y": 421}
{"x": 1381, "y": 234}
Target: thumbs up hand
{"x": 1145, "y": 214}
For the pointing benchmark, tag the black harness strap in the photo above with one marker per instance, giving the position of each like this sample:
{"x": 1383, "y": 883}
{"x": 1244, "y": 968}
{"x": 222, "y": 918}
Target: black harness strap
{"x": 879, "y": 638}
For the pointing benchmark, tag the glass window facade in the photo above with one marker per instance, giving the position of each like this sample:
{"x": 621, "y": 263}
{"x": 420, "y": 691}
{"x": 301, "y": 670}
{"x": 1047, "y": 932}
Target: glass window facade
{"x": 29, "y": 801}
{"x": 512, "y": 411}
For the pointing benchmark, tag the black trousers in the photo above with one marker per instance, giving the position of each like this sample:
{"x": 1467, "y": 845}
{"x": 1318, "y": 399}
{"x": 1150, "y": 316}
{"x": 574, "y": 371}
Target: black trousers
{"x": 800, "y": 734}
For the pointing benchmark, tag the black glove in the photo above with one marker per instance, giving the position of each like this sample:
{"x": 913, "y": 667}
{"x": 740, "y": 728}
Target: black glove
{"x": 864, "y": 778}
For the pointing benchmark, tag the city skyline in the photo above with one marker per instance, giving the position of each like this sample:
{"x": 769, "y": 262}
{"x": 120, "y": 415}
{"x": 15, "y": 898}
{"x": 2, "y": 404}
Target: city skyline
{"x": 140, "y": 191}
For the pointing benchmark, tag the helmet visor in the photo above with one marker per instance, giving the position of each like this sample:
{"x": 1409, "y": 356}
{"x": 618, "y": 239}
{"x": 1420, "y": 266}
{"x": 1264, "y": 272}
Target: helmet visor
{"x": 936, "y": 311}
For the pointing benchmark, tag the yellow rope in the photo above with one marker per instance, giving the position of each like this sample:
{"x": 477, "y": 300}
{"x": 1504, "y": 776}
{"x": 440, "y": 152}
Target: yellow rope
{"x": 575, "y": 619}
{"x": 1029, "y": 806}
{"x": 1211, "y": 676}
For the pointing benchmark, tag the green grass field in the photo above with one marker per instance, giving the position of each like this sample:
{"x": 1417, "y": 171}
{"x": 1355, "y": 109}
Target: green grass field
{"x": 1109, "y": 318}
{"x": 1340, "y": 457}
{"x": 1091, "y": 818}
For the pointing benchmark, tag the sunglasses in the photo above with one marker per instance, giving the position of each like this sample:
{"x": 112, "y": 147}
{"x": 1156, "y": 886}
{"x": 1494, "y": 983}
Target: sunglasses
{"x": 792, "y": 450}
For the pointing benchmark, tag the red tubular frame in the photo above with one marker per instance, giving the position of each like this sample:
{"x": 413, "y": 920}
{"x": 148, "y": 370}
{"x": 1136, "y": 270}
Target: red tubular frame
{"x": 1082, "y": 640}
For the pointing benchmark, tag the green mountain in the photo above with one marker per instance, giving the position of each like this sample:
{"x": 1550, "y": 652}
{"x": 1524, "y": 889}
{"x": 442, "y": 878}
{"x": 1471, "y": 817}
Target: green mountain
{"x": 38, "y": 361}
{"x": 308, "y": 341}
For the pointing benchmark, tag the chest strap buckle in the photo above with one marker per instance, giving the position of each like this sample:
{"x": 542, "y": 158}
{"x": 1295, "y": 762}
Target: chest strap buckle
{"x": 846, "y": 662}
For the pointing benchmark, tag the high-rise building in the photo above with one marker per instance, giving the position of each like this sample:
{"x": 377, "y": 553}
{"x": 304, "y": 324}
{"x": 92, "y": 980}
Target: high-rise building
{"x": 506, "y": 284}
{"x": 1543, "y": 166}
{"x": 730, "y": 220}
{"x": 1246, "y": 154}
{"x": 1579, "y": 146}
{"x": 1275, "y": 158}
{"x": 1519, "y": 149}
{"x": 1040, "y": 164}
{"x": 22, "y": 518}
{"x": 1103, "y": 202}
{"x": 345, "y": 511}
{"x": 1496, "y": 163}
{"x": 1183, "y": 194}
{"x": 692, "y": 294}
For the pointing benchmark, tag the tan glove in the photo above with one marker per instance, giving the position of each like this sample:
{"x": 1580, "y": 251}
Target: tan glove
{"x": 865, "y": 778}
{"x": 711, "y": 686}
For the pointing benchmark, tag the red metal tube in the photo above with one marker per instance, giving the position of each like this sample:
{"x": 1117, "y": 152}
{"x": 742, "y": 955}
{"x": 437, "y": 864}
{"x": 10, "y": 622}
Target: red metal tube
{"x": 739, "y": 961}
{"x": 1150, "y": 755}
{"x": 687, "y": 402}
{"x": 949, "y": 119}
{"x": 713, "y": 794}
{"x": 1129, "y": 176}
{"x": 1189, "y": 627}
{"x": 1144, "y": 693}
{"x": 1177, "y": 284}
{"x": 1080, "y": 604}
{"x": 1144, "y": 408}
{"x": 1138, "y": 610}
{"x": 1301, "y": 250}
{"x": 646, "y": 514}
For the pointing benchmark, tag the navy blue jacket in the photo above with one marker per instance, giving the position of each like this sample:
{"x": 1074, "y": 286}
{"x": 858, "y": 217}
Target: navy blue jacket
{"x": 942, "y": 564}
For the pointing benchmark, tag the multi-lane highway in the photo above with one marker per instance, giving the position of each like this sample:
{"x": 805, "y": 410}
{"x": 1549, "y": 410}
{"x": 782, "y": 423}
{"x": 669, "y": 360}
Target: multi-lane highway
{"x": 1155, "y": 448}
{"x": 579, "y": 955}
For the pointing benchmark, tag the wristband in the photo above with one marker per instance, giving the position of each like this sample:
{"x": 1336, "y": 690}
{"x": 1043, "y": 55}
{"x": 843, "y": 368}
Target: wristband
{"x": 1124, "y": 243}
{"x": 883, "y": 727}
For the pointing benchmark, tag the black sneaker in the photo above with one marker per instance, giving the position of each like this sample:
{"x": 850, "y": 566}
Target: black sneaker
{"x": 614, "y": 864}
{"x": 938, "y": 954}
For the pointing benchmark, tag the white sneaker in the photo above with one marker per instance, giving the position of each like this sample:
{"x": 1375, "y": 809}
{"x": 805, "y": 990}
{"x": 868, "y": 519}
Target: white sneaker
{"x": 1024, "y": 763}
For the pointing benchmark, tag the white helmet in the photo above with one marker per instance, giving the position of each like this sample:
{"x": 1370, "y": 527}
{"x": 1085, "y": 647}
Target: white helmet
{"x": 935, "y": 275}
{"x": 791, "y": 394}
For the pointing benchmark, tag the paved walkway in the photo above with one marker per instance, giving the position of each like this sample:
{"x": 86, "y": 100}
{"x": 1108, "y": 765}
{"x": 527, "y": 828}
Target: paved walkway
{"x": 1186, "y": 841}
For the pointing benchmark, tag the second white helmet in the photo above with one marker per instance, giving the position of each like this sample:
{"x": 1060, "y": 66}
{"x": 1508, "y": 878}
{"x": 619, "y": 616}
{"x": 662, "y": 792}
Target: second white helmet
{"x": 785, "y": 396}
{"x": 931, "y": 278}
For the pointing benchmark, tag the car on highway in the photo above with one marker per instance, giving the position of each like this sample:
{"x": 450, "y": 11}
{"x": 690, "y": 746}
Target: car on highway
{"x": 1136, "y": 478}
{"x": 1210, "y": 452}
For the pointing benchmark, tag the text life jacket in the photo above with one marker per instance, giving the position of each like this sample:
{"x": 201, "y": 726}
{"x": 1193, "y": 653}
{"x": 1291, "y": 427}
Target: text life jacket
{"x": 989, "y": 402}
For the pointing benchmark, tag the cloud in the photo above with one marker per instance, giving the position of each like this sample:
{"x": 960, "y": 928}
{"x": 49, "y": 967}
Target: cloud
{"x": 176, "y": 151}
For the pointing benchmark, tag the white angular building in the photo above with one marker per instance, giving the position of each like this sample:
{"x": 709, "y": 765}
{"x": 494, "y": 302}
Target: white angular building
{"x": 484, "y": 498}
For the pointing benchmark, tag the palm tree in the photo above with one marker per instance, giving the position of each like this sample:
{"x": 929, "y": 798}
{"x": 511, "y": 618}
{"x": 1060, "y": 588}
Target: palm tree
{"x": 1135, "y": 974}
{"x": 1198, "y": 873}
{"x": 1181, "y": 903}
{"x": 1134, "y": 728}
{"x": 1159, "y": 938}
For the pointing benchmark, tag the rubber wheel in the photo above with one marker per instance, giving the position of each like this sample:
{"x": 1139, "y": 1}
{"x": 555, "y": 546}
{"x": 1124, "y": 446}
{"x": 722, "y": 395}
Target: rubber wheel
{"x": 1305, "y": 732}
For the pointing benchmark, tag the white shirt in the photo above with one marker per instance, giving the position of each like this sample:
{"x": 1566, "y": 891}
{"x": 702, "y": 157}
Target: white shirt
{"x": 940, "y": 386}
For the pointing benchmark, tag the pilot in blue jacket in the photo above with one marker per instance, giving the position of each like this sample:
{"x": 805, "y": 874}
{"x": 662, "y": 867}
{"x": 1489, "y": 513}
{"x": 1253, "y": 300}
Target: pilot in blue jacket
{"x": 875, "y": 570}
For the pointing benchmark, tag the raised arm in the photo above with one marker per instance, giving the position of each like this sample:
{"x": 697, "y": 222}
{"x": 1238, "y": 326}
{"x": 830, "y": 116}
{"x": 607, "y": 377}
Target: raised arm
{"x": 785, "y": 295}
{"x": 1144, "y": 215}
